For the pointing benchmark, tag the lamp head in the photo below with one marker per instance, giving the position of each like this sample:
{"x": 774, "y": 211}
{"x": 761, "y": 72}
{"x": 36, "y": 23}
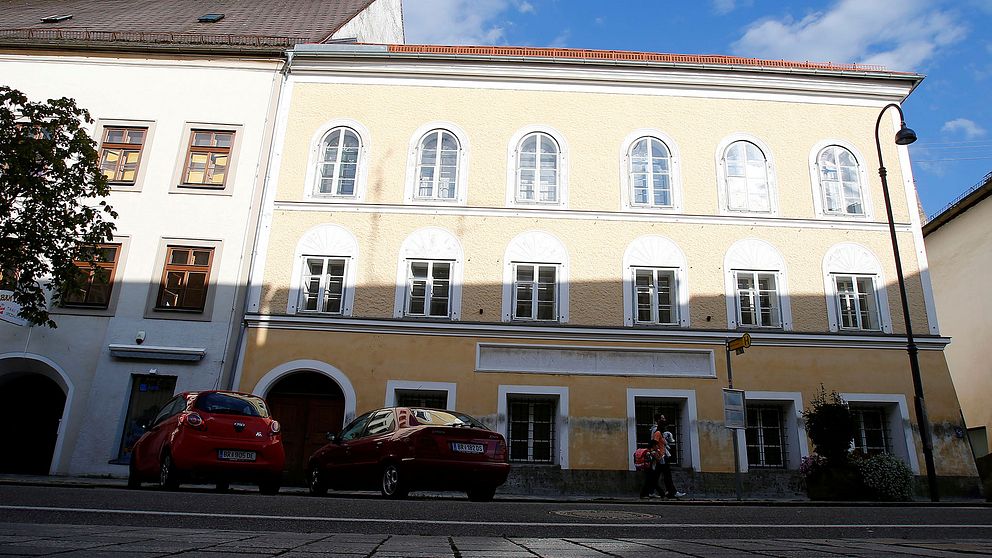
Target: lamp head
{"x": 905, "y": 136}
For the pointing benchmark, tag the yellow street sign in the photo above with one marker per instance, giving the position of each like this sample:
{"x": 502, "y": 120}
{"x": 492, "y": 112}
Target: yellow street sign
{"x": 739, "y": 344}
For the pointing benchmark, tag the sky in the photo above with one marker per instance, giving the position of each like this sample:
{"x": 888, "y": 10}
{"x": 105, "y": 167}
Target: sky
{"x": 946, "y": 40}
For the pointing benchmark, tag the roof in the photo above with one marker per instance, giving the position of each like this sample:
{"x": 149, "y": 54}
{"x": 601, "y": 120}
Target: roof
{"x": 970, "y": 198}
{"x": 245, "y": 22}
{"x": 632, "y": 56}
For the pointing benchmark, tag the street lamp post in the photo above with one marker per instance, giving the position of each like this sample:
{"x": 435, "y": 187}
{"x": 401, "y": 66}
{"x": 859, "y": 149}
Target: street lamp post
{"x": 905, "y": 136}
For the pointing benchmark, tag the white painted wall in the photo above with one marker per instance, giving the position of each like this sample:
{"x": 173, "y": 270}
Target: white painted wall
{"x": 171, "y": 93}
{"x": 381, "y": 22}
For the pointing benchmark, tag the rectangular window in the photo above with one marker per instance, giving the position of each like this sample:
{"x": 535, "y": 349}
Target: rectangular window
{"x": 757, "y": 299}
{"x": 322, "y": 288}
{"x": 148, "y": 395}
{"x": 428, "y": 289}
{"x": 185, "y": 278}
{"x": 531, "y": 429}
{"x": 94, "y": 282}
{"x": 765, "y": 437}
{"x": 857, "y": 304}
{"x": 424, "y": 398}
{"x": 120, "y": 154}
{"x": 535, "y": 292}
{"x": 207, "y": 158}
{"x": 655, "y": 296}
{"x": 871, "y": 430}
{"x": 645, "y": 410}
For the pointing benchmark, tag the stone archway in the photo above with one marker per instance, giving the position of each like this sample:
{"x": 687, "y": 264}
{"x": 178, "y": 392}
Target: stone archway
{"x": 33, "y": 402}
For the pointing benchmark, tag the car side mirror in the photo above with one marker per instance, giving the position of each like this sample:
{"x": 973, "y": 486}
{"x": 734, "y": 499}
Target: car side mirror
{"x": 332, "y": 437}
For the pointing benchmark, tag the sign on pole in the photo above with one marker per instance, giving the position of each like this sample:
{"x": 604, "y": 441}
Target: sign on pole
{"x": 734, "y": 415}
{"x": 9, "y": 309}
{"x": 739, "y": 344}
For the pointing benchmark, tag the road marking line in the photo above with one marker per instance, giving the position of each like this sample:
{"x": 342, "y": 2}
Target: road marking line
{"x": 504, "y": 523}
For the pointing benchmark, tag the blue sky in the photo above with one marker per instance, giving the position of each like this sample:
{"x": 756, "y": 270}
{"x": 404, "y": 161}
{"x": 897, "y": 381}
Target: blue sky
{"x": 946, "y": 40}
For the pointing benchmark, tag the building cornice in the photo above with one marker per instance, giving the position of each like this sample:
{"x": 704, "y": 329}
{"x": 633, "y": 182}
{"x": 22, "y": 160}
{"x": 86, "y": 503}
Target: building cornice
{"x": 580, "y": 215}
{"x": 587, "y": 334}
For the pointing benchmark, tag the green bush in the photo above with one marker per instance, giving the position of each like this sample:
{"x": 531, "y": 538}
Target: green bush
{"x": 886, "y": 477}
{"x": 830, "y": 426}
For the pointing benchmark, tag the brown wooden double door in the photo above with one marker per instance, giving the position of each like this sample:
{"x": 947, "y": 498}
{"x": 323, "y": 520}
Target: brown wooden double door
{"x": 306, "y": 419}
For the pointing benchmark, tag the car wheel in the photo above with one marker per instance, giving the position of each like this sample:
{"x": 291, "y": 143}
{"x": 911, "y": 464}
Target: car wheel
{"x": 315, "y": 481}
{"x": 133, "y": 480}
{"x": 393, "y": 485}
{"x": 168, "y": 476}
{"x": 481, "y": 493}
{"x": 269, "y": 486}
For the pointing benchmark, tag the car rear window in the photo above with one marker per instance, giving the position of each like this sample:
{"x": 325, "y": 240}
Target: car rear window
{"x": 444, "y": 418}
{"x": 232, "y": 404}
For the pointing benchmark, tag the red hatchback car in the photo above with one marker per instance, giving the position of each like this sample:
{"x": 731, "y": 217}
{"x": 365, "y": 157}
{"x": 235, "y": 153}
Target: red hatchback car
{"x": 400, "y": 449}
{"x": 210, "y": 436}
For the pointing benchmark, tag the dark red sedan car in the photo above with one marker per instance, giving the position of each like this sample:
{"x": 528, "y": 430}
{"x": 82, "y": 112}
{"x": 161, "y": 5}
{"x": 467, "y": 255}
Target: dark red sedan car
{"x": 400, "y": 449}
{"x": 210, "y": 436}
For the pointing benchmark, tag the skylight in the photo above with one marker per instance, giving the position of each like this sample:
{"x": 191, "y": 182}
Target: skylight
{"x": 56, "y": 18}
{"x": 211, "y": 18}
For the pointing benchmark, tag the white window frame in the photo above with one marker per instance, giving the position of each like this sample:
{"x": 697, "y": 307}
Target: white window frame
{"x": 323, "y": 284}
{"x": 753, "y": 255}
{"x": 430, "y": 244}
{"x": 723, "y": 192}
{"x": 755, "y": 297}
{"x": 393, "y": 386}
{"x": 428, "y": 288}
{"x": 654, "y": 251}
{"x": 903, "y": 443}
{"x": 690, "y": 425}
{"x": 674, "y": 173}
{"x": 848, "y": 258}
{"x": 512, "y": 172}
{"x": 316, "y": 158}
{"x": 653, "y": 292}
{"x": 535, "y": 248}
{"x": 817, "y": 187}
{"x": 561, "y": 440}
{"x": 797, "y": 444}
{"x": 411, "y": 190}
{"x": 331, "y": 241}
{"x": 535, "y": 290}
{"x": 871, "y": 297}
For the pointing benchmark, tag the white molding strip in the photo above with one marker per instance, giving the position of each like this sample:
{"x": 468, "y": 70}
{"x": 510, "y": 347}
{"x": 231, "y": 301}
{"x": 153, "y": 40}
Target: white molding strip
{"x": 631, "y": 216}
{"x": 588, "y": 334}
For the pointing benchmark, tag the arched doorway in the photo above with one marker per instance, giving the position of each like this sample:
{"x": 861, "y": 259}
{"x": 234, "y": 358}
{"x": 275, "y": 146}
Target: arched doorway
{"x": 32, "y": 404}
{"x": 308, "y": 405}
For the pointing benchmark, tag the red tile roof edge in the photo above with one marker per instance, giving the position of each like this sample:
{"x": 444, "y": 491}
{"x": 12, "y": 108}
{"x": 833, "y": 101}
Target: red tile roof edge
{"x": 632, "y": 56}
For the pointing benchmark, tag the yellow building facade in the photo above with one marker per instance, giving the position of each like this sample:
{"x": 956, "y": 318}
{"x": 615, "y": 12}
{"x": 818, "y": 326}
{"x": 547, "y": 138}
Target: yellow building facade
{"x": 561, "y": 243}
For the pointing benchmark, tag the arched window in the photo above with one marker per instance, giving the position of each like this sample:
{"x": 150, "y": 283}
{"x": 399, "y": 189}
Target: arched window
{"x": 650, "y": 172}
{"x": 840, "y": 182}
{"x": 337, "y": 166}
{"x": 437, "y": 166}
{"x": 746, "y": 175}
{"x": 538, "y": 169}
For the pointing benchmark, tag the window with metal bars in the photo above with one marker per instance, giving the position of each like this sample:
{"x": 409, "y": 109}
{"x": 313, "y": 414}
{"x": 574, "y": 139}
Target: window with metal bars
{"x": 644, "y": 411}
{"x": 765, "y": 436}
{"x": 531, "y": 429}
{"x": 422, "y": 398}
{"x": 871, "y": 430}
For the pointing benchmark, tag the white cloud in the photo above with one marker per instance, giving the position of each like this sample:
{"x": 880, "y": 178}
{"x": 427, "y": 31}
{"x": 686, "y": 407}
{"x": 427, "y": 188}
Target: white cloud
{"x": 561, "y": 41}
{"x": 525, "y": 7}
{"x": 724, "y": 7}
{"x": 457, "y": 22}
{"x": 965, "y": 126}
{"x": 900, "y": 35}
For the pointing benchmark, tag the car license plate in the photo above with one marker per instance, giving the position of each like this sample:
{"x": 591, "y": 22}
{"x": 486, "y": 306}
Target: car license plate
{"x": 467, "y": 448}
{"x": 235, "y": 455}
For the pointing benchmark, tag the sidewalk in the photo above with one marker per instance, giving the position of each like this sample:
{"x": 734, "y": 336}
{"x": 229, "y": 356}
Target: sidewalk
{"x": 113, "y": 482}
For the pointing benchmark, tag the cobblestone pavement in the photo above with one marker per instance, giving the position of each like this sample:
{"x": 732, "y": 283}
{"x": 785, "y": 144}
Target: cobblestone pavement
{"x": 89, "y": 541}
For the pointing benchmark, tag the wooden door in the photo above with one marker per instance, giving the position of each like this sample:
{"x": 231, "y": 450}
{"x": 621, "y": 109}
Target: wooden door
{"x": 305, "y": 420}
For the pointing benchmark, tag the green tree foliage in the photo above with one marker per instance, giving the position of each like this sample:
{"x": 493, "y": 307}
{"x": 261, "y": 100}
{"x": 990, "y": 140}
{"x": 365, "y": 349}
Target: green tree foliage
{"x": 51, "y": 199}
{"x": 829, "y": 425}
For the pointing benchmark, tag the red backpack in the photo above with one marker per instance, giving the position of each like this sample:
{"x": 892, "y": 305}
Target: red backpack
{"x": 641, "y": 460}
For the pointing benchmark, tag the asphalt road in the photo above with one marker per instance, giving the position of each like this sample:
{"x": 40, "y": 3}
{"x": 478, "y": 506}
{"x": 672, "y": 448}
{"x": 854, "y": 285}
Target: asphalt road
{"x": 200, "y": 508}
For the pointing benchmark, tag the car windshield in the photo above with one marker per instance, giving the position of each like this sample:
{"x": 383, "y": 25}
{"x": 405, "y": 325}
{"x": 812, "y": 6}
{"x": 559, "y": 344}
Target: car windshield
{"x": 232, "y": 404}
{"x": 444, "y": 418}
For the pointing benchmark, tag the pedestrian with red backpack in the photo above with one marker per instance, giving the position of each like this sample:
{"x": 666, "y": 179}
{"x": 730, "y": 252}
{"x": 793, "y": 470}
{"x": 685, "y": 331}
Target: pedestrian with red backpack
{"x": 648, "y": 460}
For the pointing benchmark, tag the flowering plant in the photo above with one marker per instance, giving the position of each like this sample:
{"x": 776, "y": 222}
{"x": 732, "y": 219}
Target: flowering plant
{"x": 811, "y": 465}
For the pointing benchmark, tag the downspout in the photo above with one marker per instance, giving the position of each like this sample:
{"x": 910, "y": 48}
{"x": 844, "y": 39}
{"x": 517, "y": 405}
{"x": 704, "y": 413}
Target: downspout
{"x": 234, "y": 374}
